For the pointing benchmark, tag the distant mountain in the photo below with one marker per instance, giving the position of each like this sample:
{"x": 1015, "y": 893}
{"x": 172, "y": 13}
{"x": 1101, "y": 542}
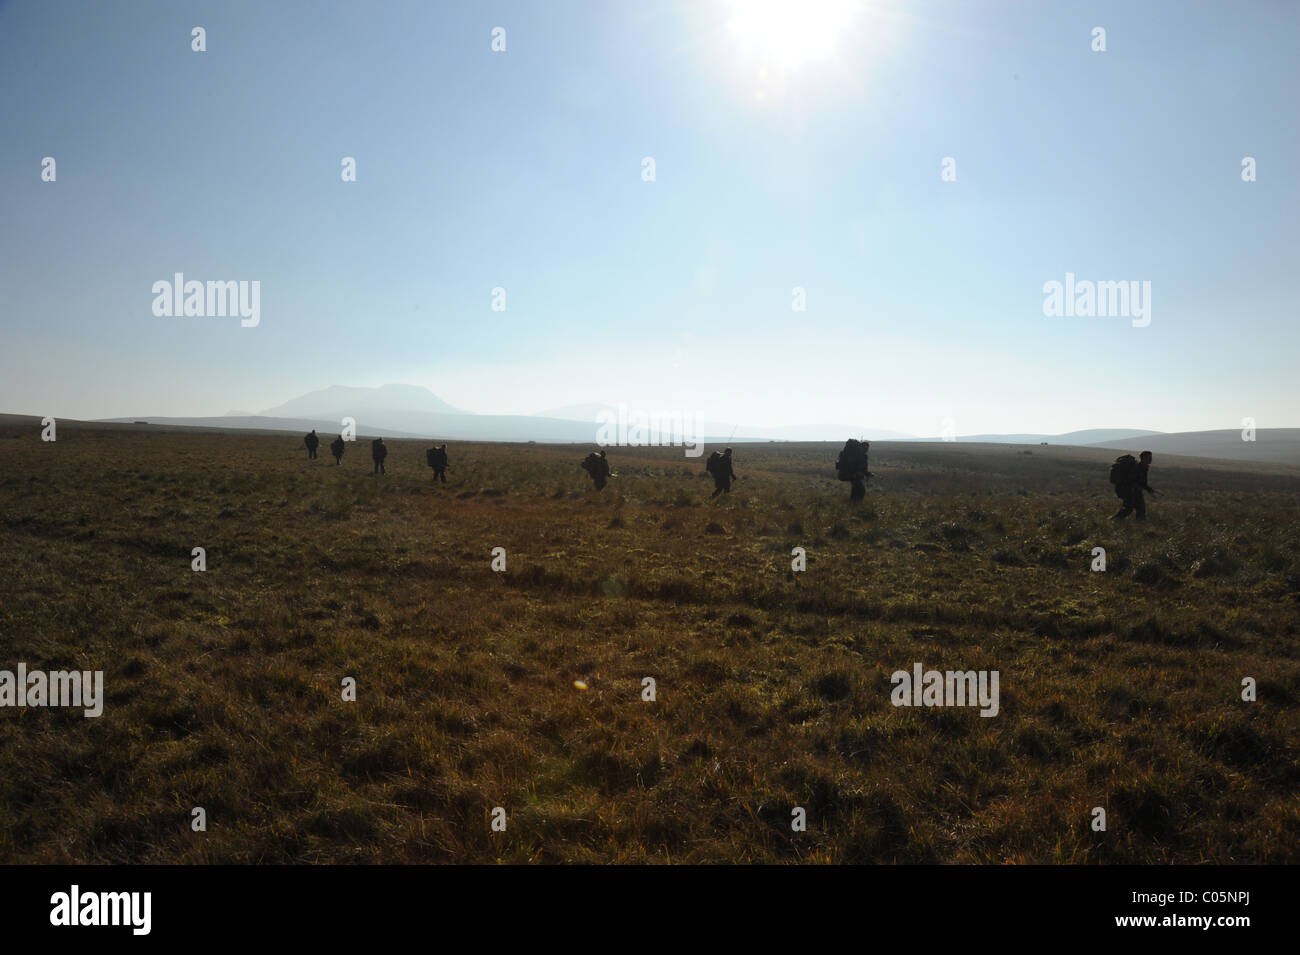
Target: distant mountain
{"x": 738, "y": 432}
{"x": 410, "y": 411}
{"x": 1276, "y": 445}
{"x": 339, "y": 401}
{"x": 1080, "y": 438}
{"x": 575, "y": 412}
{"x": 456, "y": 427}
{"x": 819, "y": 432}
{"x": 239, "y": 424}
{"x": 1097, "y": 435}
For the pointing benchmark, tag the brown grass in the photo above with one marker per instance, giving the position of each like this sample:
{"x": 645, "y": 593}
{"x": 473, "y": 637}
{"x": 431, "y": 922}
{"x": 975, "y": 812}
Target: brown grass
{"x": 1119, "y": 690}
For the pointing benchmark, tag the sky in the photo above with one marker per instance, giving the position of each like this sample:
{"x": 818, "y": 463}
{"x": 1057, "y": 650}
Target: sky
{"x": 794, "y": 145}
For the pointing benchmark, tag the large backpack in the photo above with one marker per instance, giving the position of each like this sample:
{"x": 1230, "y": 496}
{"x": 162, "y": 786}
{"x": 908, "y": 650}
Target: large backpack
{"x": 852, "y": 462}
{"x": 1124, "y": 470}
{"x": 714, "y": 463}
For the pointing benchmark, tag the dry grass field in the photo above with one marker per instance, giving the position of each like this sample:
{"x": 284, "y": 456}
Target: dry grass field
{"x": 1119, "y": 689}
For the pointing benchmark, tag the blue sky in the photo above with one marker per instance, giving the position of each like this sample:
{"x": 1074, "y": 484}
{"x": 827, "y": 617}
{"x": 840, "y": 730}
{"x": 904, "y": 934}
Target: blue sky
{"x": 523, "y": 170}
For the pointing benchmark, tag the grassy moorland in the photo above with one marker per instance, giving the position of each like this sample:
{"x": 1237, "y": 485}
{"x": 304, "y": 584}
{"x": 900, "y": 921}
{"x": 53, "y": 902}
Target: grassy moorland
{"x": 1118, "y": 689}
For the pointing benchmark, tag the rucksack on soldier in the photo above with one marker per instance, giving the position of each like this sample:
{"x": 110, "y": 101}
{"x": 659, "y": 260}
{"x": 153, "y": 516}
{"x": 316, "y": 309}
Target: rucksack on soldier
{"x": 714, "y": 462}
{"x": 1124, "y": 470}
{"x": 852, "y": 460}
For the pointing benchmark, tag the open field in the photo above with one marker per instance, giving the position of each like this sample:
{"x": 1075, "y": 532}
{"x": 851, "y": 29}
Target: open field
{"x": 1119, "y": 689}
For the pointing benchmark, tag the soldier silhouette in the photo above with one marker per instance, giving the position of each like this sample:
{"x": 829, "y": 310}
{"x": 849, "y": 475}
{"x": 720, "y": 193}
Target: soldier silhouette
{"x": 596, "y": 465}
{"x": 719, "y": 466}
{"x": 1130, "y": 480}
{"x": 437, "y": 459}
{"x": 337, "y": 447}
{"x": 312, "y": 443}
{"x": 379, "y": 451}
{"x": 851, "y": 466}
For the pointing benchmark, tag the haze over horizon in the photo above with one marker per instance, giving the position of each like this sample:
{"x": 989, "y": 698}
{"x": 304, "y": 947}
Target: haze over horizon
{"x": 782, "y": 160}
{"x": 376, "y": 407}
{"x": 398, "y": 407}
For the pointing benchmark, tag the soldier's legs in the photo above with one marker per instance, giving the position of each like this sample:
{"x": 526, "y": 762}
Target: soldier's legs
{"x": 1140, "y": 505}
{"x": 859, "y": 490}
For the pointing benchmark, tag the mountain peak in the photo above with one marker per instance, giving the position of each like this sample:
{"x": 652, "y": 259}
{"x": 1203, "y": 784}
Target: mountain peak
{"x": 339, "y": 401}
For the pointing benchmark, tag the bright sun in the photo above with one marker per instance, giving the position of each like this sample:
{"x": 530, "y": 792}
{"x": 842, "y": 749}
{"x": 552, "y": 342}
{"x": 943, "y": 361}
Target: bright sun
{"x": 789, "y": 33}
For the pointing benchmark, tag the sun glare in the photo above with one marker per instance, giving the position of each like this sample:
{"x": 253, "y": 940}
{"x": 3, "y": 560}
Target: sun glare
{"x": 787, "y": 34}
